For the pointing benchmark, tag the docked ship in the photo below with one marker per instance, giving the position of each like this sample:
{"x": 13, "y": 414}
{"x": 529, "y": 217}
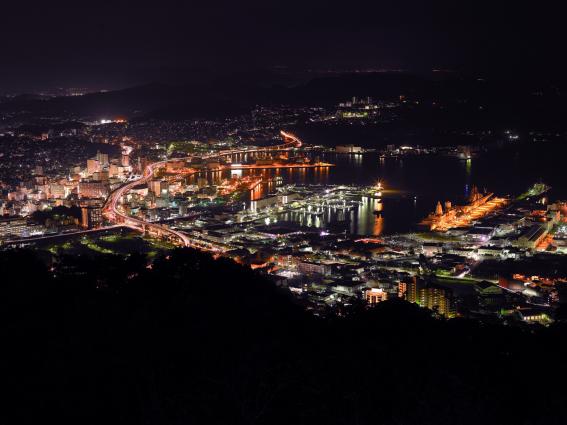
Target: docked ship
{"x": 448, "y": 216}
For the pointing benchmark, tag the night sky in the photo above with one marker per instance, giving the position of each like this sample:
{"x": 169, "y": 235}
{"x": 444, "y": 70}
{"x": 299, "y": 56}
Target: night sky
{"x": 116, "y": 44}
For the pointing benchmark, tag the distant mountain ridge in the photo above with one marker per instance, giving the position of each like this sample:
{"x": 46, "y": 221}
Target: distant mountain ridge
{"x": 229, "y": 96}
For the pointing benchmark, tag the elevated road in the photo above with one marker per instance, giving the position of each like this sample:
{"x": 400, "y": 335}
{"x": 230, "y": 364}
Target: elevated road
{"x": 112, "y": 210}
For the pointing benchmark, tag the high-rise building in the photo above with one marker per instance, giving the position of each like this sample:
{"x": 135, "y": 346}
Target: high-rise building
{"x": 143, "y": 162}
{"x": 102, "y": 159}
{"x": 158, "y": 187}
{"x": 402, "y": 289}
{"x": 430, "y": 296}
{"x": 93, "y": 189}
{"x": 91, "y": 217}
{"x": 93, "y": 165}
{"x": 437, "y": 299}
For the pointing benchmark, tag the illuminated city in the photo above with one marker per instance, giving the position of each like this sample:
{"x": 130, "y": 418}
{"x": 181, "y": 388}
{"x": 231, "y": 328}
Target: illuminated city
{"x": 241, "y": 201}
{"x": 289, "y": 213}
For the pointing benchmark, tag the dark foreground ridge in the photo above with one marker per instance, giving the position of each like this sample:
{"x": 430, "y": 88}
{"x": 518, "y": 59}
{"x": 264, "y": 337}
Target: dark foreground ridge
{"x": 193, "y": 340}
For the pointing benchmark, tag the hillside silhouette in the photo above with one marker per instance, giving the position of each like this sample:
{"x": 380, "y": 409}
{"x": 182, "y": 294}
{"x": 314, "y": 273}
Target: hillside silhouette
{"x": 192, "y": 339}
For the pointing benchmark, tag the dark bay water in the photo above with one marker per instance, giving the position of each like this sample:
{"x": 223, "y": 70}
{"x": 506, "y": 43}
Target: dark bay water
{"x": 415, "y": 184}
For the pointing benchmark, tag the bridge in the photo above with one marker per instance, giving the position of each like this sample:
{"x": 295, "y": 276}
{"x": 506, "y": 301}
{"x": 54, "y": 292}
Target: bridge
{"x": 113, "y": 213}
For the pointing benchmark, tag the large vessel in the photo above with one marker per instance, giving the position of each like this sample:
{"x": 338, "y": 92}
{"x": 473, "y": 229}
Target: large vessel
{"x": 447, "y": 216}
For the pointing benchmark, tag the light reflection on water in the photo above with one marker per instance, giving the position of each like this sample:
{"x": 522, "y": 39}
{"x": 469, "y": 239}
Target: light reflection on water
{"x": 415, "y": 185}
{"x": 366, "y": 219}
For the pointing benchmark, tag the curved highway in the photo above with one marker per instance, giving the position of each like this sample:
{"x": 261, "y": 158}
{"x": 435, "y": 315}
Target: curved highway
{"x": 112, "y": 212}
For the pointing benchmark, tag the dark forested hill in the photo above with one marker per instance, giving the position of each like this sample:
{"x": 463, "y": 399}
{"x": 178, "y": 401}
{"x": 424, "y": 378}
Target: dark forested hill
{"x": 463, "y": 101}
{"x": 193, "y": 340}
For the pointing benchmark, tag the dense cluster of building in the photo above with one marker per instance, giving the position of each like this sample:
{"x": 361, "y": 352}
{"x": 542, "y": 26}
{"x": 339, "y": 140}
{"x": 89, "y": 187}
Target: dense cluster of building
{"x": 328, "y": 271}
{"x": 475, "y": 260}
{"x": 25, "y": 203}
